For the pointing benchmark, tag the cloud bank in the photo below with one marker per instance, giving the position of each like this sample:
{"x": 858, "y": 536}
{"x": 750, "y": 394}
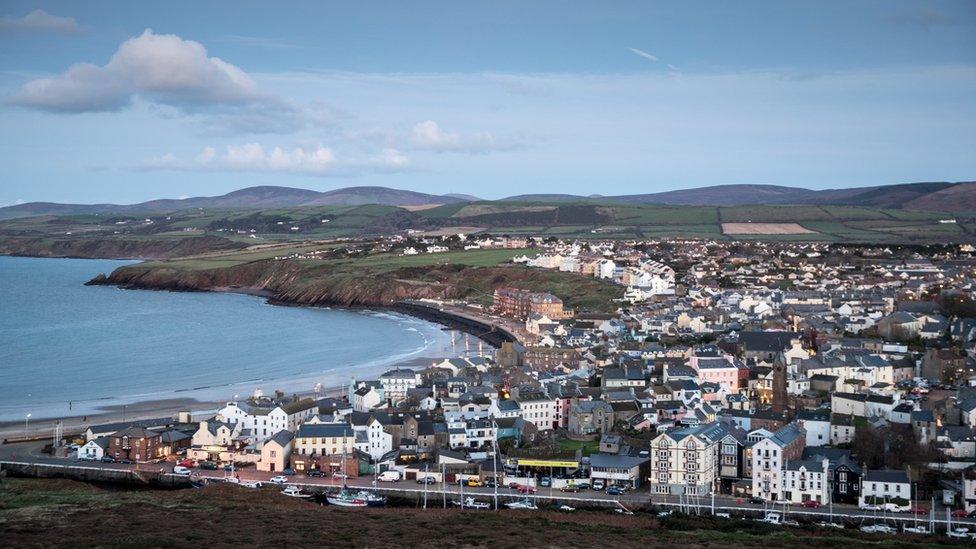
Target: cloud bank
{"x": 162, "y": 68}
{"x": 252, "y": 157}
{"x": 40, "y": 21}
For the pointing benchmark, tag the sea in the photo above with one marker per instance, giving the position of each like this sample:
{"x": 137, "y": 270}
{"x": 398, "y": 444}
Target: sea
{"x": 67, "y": 349}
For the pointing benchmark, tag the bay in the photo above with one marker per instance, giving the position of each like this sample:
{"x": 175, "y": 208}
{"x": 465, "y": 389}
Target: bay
{"x": 69, "y": 349}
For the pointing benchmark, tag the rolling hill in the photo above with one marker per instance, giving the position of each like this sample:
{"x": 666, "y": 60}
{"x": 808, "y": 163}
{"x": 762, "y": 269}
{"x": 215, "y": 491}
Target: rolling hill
{"x": 914, "y": 196}
{"x": 250, "y": 198}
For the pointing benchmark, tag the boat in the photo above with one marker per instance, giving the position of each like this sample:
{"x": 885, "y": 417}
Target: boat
{"x": 251, "y": 484}
{"x": 567, "y": 508}
{"x": 525, "y": 503}
{"x": 471, "y": 503}
{"x": 772, "y": 518}
{"x": 831, "y": 525}
{"x": 294, "y": 492}
{"x": 878, "y": 529}
{"x": 959, "y": 533}
{"x": 372, "y": 500}
{"x": 345, "y": 498}
{"x": 915, "y": 530}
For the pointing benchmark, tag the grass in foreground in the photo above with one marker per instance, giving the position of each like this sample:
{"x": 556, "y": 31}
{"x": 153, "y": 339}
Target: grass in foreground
{"x": 62, "y": 513}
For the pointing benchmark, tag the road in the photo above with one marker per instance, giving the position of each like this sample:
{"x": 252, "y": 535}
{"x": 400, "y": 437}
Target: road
{"x": 436, "y": 493}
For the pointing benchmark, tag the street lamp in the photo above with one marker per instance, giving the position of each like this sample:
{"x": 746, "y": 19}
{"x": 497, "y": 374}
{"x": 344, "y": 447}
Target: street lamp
{"x": 26, "y": 423}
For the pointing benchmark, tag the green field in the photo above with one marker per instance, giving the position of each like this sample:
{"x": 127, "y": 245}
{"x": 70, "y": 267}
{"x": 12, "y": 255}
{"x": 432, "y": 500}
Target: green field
{"x": 564, "y": 220}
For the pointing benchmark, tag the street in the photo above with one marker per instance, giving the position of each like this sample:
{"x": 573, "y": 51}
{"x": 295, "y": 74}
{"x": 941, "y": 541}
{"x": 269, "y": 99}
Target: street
{"x": 30, "y": 452}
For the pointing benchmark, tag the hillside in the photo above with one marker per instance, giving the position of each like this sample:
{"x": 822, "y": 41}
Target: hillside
{"x": 260, "y": 197}
{"x": 910, "y": 196}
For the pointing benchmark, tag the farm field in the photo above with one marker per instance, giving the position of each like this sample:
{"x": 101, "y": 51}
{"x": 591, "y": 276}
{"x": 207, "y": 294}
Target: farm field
{"x": 764, "y": 229}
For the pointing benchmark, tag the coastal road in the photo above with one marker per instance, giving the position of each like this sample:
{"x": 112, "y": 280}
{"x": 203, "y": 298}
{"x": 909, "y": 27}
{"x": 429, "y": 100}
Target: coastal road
{"x": 31, "y": 452}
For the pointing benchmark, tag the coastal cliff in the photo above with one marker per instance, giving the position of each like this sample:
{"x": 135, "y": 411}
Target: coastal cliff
{"x": 308, "y": 283}
{"x": 115, "y": 248}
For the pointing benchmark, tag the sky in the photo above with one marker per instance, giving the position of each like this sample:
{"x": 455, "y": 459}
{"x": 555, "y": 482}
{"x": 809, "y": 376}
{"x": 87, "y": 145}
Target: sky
{"x": 128, "y": 101}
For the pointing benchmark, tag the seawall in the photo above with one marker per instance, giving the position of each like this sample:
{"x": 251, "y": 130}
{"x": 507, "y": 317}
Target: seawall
{"x": 491, "y": 333}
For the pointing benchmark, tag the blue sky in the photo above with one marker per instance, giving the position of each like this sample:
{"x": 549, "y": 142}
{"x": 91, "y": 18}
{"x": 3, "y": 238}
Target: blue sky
{"x": 124, "y": 102}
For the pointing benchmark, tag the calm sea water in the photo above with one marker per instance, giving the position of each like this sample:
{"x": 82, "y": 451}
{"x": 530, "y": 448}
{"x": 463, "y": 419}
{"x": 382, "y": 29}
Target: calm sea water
{"x": 98, "y": 346}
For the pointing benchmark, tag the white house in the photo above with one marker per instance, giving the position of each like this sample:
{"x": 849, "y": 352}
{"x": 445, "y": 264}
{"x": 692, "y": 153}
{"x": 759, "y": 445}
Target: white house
{"x": 371, "y": 438}
{"x": 397, "y": 382}
{"x": 263, "y": 422}
{"x": 879, "y": 487}
{"x": 93, "y": 449}
{"x": 807, "y": 481}
{"x": 540, "y": 411}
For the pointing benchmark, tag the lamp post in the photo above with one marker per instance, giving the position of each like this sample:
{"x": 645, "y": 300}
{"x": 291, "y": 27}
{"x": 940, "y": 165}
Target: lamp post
{"x": 27, "y": 423}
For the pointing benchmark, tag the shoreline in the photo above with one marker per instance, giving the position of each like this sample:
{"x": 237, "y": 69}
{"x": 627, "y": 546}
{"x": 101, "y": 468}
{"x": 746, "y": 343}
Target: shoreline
{"x": 41, "y": 427}
{"x": 166, "y": 403}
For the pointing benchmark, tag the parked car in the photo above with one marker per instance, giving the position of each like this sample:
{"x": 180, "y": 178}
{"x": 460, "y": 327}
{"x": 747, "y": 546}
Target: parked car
{"x": 545, "y": 482}
{"x": 315, "y": 473}
{"x": 426, "y": 480}
{"x": 279, "y": 479}
{"x": 614, "y": 491}
{"x": 288, "y": 472}
{"x": 598, "y": 484}
{"x": 812, "y": 504}
{"x": 960, "y": 513}
{"x": 756, "y": 499}
{"x": 489, "y": 483}
{"x": 125, "y": 461}
{"x": 185, "y": 463}
{"x": 339, "y": 475}
{"x": 182, "y": 471}
{"x": 525, "y": 489}
{"x": 475, "y": 483}
{"x": 229, "y": 467}
{"x": 108, "y": 459}
{"x": 574, "y": 488}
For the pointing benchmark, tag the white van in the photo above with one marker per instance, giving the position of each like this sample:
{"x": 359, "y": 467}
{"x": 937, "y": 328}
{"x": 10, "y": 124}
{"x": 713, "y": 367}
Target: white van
{"x": 180, "y": 470}
{"x": 389, "y": 476}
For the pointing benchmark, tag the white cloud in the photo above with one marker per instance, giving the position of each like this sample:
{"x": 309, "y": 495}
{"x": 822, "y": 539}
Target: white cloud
{"x": 252, "y": 157}
{"x": 644, "y": 54}
{"x": 161, "y": 68}
{"x": 40, "y": 21}
{"x": 428, "y": 136}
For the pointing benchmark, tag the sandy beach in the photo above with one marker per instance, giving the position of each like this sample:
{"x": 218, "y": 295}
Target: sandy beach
{"x": 149, "y": 409}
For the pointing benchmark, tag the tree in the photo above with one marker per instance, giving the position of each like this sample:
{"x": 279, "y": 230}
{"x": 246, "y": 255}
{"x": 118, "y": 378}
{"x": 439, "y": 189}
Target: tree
{"x": 868, "y": 446}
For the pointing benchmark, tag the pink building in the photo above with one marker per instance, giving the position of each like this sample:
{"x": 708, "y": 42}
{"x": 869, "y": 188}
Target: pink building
{"x": 722, "y": 371}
